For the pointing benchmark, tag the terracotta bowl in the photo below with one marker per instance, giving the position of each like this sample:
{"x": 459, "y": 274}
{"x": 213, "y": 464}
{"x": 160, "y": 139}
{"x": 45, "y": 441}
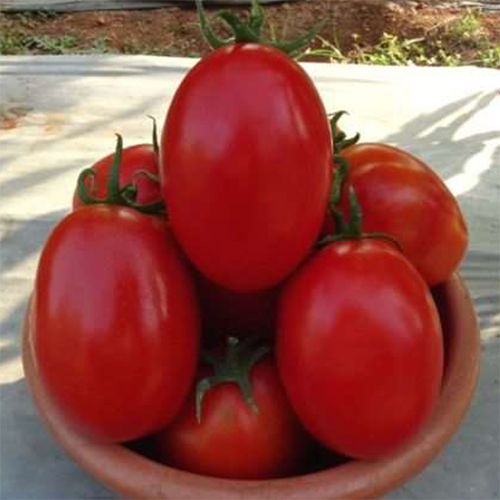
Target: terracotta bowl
{"x": 135, "y": 476}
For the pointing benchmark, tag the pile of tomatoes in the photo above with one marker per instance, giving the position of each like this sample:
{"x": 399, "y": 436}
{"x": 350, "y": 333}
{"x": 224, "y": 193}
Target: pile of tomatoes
{"x": 252, "y": 287}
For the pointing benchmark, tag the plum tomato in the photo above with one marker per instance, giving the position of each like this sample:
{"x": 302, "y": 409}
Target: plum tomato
{"x": 139, "y": 167}
{"x": 237, "y": 424}
{"x": 403, "y": 197}
{"x": 246, "y": 155}
{"x": 115, "y": 323}
{"x": 359, "y": 347}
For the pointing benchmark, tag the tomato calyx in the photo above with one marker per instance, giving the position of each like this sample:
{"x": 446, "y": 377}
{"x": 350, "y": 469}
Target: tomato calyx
{"x": 340, "y": 139}
{"x": 348, "y": 229}
{"x": 345, "y": 229}
{"x": 234, "y": 367}
{"x": 250, "y": 32}
{"x": 156, "y": 146}
{"x": 116, "y": 195}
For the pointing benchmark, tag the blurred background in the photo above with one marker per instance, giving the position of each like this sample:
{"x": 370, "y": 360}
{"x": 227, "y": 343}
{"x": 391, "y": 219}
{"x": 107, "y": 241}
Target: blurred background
{"x": 403, "y": 32}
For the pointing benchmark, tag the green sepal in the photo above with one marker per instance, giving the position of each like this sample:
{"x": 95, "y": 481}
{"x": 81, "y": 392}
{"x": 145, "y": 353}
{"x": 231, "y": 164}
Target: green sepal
{"x": 250, "y": 32}
{"x": 294, "y": 47}
{"x": 242, "y": 33}
{"x": 234, "y": 367}
{"x": 340, "y": 140}
{"x": 256, "y": 17}
{"x": 116, "y": 195}
{"x": 156, "y": 146}
{"x": 213, "y": 40}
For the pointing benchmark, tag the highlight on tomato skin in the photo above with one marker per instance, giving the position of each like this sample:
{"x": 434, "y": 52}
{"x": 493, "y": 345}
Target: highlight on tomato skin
{"x": 402, "y": 196}
{"x": 115, "y": 323}
{"x": 246, "y": 166}
{"x": 360, "y": 348}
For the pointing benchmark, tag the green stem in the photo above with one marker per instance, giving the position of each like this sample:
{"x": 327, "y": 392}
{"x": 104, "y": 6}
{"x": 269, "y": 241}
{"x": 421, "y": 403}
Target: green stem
{"x": 88, "y": 173}
{"x": 154, "y": 208}
{"x": 129, "y": 192}
{"x": 234, "y": 367}
{"x": 156, "y": 146}
{"x": 256, "y": 17}
{"x": 242, "y": 33}
{"x": 347, "y": 229}
{"x": 356, "y": 214}
{"x": 338, "y": 180}
{"x": 345, "y": 143}
{"x": 114, "y": 173}
{"x": 213, "y": 40}
{"x": 116, "y": 195}
{"x": 202, "y": 387}
{"x": 148, "y": 175}
{"x": 250, "y": 31}
{"x": 294, "y": 47}
{"x": 340, "y": 140}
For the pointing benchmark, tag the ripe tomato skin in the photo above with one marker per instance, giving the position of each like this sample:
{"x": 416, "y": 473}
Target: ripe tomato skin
{"x": 115, "y": 332}
{"x": 403, "y": 197}
{"x": 360, "y": 348}
{"x": 134, "y": 159}
{"x": 232, "y": 440}
{"x": 246, "y": 165}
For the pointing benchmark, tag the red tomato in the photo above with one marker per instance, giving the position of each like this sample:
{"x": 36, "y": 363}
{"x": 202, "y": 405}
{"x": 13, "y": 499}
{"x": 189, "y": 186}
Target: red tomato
{"x": 402, "y": 197}
{"x": 360, "y": 348}
{"x": 115, "y": 323}
{"x": 245, "y": 164}
{"x": 239, "y": 314}
{"x": 233, "y": 440}
{"x": 141, "y": 157}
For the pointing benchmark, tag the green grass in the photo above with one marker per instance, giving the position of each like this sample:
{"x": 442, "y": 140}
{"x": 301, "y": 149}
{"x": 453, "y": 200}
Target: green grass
{"x": 444, "y": 47}
{"x": 12, "y": 44}
{"x": 45, "y": 44}
{"x": 21, "y": 43}
{"x": 17, "y": 35}
{"x": 467, "y": 30}
{"x": 458, "y": 42}
{"x": 490, "y": 57}
{"x": 30, "y": 17}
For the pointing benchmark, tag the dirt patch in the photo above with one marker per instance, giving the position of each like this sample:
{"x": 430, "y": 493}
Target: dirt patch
{"x": 10, "y": 116}
{"x": 352, "y": 27}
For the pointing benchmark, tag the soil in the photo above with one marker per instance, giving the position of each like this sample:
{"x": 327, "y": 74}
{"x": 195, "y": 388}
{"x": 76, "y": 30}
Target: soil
{"x": 174, "y": 31}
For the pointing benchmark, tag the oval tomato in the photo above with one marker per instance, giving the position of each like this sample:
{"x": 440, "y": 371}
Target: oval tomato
{"x": 360, "y": 348}
{"x": 245, "y": 165}
{"x": 403, "y": 197}
{"x": 233, "y": 439}
{"x": 115, "y": 319}
{"x": 141, "y": 157}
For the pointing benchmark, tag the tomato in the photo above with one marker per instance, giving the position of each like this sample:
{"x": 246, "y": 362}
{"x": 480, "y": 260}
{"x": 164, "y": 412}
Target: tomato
{"x": 115, "y": 319}
{"x": 360, "y": 347}
{"x": 141, "y": 157}
{"x": 232, "y": 438}
{"x": 246, "y": 154}
{"x": 403, "y": 197}
{"x": 240, "y": 314}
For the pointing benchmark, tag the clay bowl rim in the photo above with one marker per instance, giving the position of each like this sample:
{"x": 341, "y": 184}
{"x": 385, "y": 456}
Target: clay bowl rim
{"x": 135, "y": 476}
